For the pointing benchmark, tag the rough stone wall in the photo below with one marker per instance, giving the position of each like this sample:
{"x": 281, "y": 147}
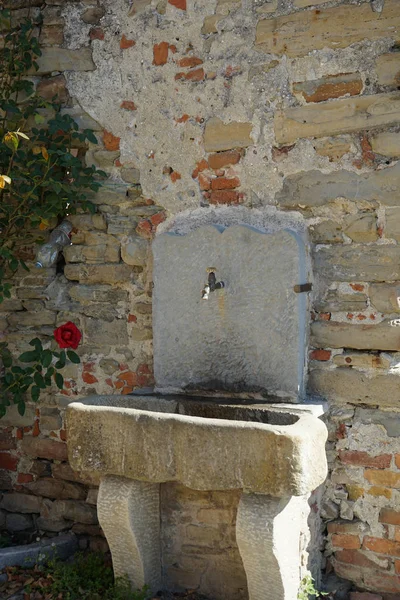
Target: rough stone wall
{"x": 198, "y": 104}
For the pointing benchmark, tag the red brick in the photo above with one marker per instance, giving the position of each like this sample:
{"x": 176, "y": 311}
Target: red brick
{"x": 96, "y": 33}
{"x": 357, "y": 558}
{"x": 185, "y": 117}
{"x": 322, "y": 355}
{"x": 350, "y": 572}
{"x": 343, "y": 527}
{"x": 63, "y": 435}
{"x": 128, "y": 105}
{"x": 390, "y": 516}
{"x": 7, "y": 441}
{"x": 144, "y": 228}
{"x": 363, "y": 459}
{"x": 36, "y": 428}
{"x": 160, "y": 54}
{"x": 181, "y": 4}
{"x": 222, "y": 159}
{"x": 357, "y": 287}
{"x": 334, "y": 86}
{"x": 129, "y": 377}
{"x": 348, "y": 542}
{"x": 190, "y": 61}
{"x": 384, "y": 478}
{"x": 225, "y": 197}
{"x": 132, "y": 319}
{"x": 324, "y": 316}
{"x": 44, "y": 448}
{"x": 24, "y": 478}
{"x": 204, "y": 182}
{"x": 158, "y": 218}
{"x": 111, "y": 142}
{"x": 396, "y": 534}
{"x": 381, "y": 546}
{"x": 8, "y": 462}
{"x": 397, "y": 566}
{"x": 89, "y": 378}
{"x": 225, "y": 183}
{"x": 202, "y": 165}
{"x": 195, "y": 75}
{"x": 364, "y": 596}
{"x": 397, "y": 460}
{"x": 126, "y": 43}
{"x": 175, "y": 176}
{"x": 382, "y": 582}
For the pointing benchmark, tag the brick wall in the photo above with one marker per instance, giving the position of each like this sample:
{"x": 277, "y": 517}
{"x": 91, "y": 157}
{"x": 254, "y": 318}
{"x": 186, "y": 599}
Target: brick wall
{"x": 197, "y": 105}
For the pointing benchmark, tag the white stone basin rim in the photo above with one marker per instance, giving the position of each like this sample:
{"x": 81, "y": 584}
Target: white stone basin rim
{"x": 108, "y": 435}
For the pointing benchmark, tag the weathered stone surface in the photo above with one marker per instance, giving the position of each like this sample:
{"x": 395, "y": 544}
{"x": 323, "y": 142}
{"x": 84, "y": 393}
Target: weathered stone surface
{"x": 361, "y": 228}
{"x": 44, "y": 448}
{"x": 13, "y": 418}
{"x": 257, "y": 461}
{"x": 333, "y": 148}
{"x": 338, "y": 27}
{"x": 386, "y": 143}
{"x": 118, "y": 194}
{"x": 78, "y": 512}
{"x": 389, "y": 420}
{"x": 86, "y": 295}
{"x": 32, "y": 319}
{"x": 392, "y": 227}
{"x": 226, "y": 136}
{"x": 219, "y": 324}
{"x": 385, "y": 297}
{"x": 331, "y": 334}
{"x": 16, "y": 522}
{"x": 56, "y": 488}
{"x": 63, "y": 59}
{"x": 51, "y": 35}
{"x": 355, "y": 387}
{"x": 50, "y": 419}
{"x": 21, "y": 503}
{"x": 304, "y": 3}
{"x": 99, "y": 332}
{"x": 388, "y": 69}
{"x": 336, "y": 86}
{"x": 358, "y": 263}
{"x": 134, "y": 251}
{"x": 313, "y": 188}
{"x": 362, "y": 360}
{"x": 130, "y": 175}
{"x": 334, "y": 301}
{"x": 338, "y": 116}
{"x": 53, "y": 87}
{"x": 64, "y": 471}
{"x": 129, "y": 514}
{"x": 93, "y": 15}
{"x": 55, "y": 525}
{"x": 113, "y": 273}
{"x": 88, "y": 222}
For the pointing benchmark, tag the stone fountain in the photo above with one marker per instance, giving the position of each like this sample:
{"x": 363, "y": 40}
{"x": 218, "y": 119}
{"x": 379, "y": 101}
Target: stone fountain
{"x": 229, "y": 411}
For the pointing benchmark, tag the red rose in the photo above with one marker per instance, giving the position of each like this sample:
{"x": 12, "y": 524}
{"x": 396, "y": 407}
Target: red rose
{"x": 68, "y": 335}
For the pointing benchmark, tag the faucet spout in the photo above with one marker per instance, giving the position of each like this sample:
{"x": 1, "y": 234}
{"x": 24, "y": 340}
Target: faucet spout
{"x": 211, "y": 285}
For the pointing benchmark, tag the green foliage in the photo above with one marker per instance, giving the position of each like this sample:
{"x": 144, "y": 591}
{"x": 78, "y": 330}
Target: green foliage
{"x": 42, "y": 175}
{"x": 86, "y": 577}
{"x": 17, "y": 380}
{"x": 307, "y": 589}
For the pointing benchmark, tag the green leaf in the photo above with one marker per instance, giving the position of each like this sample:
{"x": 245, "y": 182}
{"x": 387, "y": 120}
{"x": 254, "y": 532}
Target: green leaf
{"x": 59, "y": 380}
{"x": 73, "y": 357}
{"x": 37, "y": 343}
{"x": 46, "y": 358}
{"x": 35, "y": 393}
{"x": 38, "y": 378}
{"x": 30, "y": 356}
{"x": 3, "y": 410}
{"x": 21, "y": 408}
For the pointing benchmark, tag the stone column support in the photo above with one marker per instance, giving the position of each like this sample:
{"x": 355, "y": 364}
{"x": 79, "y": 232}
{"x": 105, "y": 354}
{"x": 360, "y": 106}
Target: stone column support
{"x": 268, "y": 537}
{"x": 129, "y": 513}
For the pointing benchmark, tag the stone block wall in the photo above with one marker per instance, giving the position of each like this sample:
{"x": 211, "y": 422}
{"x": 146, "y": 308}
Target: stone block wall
{"x": 197, "y": 105}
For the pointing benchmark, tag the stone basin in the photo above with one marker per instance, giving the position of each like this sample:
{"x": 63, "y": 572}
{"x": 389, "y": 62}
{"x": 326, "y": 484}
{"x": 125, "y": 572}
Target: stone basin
{"x": 274, "y": 453}
{"x": 205, "y": 444}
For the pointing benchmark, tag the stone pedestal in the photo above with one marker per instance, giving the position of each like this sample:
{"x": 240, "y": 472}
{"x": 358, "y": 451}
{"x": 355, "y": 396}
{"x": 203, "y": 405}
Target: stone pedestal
{"x": 129, "y": 513}
{"x": 267, "y": 531}
{"x": 268, "y": 536}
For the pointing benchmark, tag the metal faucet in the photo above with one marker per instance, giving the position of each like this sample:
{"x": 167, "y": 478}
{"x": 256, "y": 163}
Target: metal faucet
{"x": 212, "y": 284}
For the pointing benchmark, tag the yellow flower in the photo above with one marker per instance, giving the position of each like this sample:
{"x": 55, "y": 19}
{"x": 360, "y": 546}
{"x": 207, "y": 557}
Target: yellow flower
{"x": 3, "y": 180}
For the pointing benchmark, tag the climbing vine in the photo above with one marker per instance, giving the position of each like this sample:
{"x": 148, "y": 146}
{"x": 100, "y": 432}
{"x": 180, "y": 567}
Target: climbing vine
{"x": 42, "y": 178}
